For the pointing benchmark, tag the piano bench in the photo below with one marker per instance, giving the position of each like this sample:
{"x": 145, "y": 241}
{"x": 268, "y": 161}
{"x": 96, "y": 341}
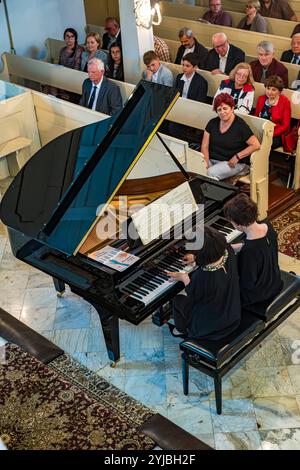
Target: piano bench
{"x": 216, "y": 358}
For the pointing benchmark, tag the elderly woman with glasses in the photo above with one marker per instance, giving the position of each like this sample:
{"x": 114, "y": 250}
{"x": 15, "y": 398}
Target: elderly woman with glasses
{"x": 253, "y": 21}
{"x": 227, "y": 141}
{"x": 239, "y": 85}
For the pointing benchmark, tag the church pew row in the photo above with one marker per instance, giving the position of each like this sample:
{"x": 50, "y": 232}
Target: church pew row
{"x": 275, "y": 26}
{"x": 246, "y": 40}
{"x": 239, "y": 5}
{"x": 185, "y": 112}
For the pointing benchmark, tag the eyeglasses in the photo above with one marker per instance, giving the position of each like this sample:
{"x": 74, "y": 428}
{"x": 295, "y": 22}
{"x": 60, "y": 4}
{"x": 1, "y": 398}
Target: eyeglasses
{"x": 242, "y": 75}
{"x": 70, "y": 36}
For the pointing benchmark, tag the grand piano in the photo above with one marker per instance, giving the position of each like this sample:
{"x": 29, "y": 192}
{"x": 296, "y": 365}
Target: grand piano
{"x": 59, "y": 209}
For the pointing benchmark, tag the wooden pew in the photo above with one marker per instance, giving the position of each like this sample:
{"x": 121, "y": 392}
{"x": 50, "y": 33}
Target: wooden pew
{"x": 275, "y": 26}
{"x": 239, "y": 5}
{"x": 246, "y": 40}
{"x": 184, "y": 112}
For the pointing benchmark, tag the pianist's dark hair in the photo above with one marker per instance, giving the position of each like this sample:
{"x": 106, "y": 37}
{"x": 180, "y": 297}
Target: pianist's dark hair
{"x": 214, "y": 246}
{"x": 241, "y": 210}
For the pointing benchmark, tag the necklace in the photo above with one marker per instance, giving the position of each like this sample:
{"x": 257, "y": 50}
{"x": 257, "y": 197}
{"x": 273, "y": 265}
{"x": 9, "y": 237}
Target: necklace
{"x": 210, "y": 268}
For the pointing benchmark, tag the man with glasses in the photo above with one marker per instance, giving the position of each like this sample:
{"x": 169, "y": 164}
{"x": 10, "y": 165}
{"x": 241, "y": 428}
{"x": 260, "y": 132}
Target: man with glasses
{"x": 266, "y": 64}
{"x": 190, "y": 45}
{"x": 113, "y": 33}
{"x": 216, "y": 15}
{"x": 224, "y": 56}
{"x": 292, "y": 56}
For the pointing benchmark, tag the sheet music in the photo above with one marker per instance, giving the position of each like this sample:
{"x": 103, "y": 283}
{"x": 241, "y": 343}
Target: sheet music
{"x": 159, "y": 217}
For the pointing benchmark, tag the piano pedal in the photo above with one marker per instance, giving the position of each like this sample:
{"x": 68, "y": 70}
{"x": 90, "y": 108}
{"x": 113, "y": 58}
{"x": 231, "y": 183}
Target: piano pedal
{"x": 161, "y": 315}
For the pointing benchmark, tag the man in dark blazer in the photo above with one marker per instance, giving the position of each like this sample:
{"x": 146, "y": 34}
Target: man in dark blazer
{"x": 224, "y": 56}
{"x": 266, "y": 64}
{"x": 189, "y": 44}
{"x": 98, "y": 93}
{"x": 292, "y": 56}
{"x": 113, "y": 33}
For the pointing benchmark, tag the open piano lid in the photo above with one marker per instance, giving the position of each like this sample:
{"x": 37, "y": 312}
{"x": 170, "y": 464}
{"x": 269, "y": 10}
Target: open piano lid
{"x": 60, "y": 194}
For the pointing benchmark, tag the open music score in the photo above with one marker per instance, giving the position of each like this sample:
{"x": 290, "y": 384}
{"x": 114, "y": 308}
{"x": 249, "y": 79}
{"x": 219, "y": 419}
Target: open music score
{"x": 159, "y": 217}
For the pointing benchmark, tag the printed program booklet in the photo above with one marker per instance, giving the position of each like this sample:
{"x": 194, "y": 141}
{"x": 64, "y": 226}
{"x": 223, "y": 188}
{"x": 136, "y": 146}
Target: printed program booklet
{"x": 115, "y": 259}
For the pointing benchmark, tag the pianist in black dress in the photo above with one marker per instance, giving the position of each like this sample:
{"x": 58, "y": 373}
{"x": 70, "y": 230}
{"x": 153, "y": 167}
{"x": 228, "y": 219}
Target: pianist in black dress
{"x": 211, "y": 309}
{"x": 258, "y": 267}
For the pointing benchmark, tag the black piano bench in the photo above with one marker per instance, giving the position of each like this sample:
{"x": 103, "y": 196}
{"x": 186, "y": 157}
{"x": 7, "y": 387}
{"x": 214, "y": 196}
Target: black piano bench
{"x": 216, "y": 358}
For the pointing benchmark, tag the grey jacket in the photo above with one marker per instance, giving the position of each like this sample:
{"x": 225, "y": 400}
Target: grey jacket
{"x": 164, "y": 77}
{"x": 99, "y": 54}
{"x": 259, "y": 24}
{"x": 109, "y": 100}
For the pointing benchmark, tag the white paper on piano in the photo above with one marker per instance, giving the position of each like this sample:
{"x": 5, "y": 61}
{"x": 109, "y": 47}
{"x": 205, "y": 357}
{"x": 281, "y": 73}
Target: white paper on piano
{"x": 160, "y": 216}
{"x": 115, "y": 259}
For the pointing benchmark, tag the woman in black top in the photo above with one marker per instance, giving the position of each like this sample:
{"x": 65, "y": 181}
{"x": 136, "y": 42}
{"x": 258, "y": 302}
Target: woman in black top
{"x": 258, "y": 267}
{"x": 211, "y": 309}
{"x": 114, "y": 68}
{"x": 227, "y": 141}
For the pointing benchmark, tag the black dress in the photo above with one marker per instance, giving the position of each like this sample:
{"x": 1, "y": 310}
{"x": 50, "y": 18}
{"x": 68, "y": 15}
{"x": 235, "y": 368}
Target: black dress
{"x": 259, "y": 270}
{"x": 212, "y": 308}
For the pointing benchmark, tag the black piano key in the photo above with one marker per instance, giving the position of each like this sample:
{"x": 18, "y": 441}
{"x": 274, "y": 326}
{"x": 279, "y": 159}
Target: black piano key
{"x": 153, "y": 278}
{"x": 150, "y": 280}
{"x": 150, "y": 286}
{"x": 159, "y": 274}
{"x": 135, "y": 288}
{"x": 133, "y": 293}
{"x": 140, "y": 287}
{"x": 221, "y": 228}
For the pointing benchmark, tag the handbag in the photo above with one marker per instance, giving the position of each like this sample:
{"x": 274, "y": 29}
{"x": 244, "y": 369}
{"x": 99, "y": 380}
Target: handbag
{"x": 290, "y": 139}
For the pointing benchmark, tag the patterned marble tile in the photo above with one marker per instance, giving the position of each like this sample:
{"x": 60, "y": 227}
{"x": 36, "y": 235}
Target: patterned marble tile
{"x": 37, "y": 279}
{"x": 270, "y": 382}
{"x": 11, "y": 280}
{"x": 150, "y": 389}
{"x": 71, "y": 341}
{"x": 208, "y": 439}
{"x": 96, "y": 340}
{"x": 193, "y": 417}
{"x": 139, "y": 363}
{"x": 2, "y": 246}
{"x": 39, "y": 309}
{"x": 234, "y": 385}
{"x": 237, "y": 416}
{"x": 238, "y": 441}
{"x": 294, "y": 373}
{"x": 10, "y": 263}
{"x": 143, "y": 336}
{"x": 269, "y": 353}
{"x": 280, "y": 439}
{"x": 72, "y": 312}
{"x": 172, "y": 359}
{"x": 2, "y": 343}
{"x": 277, "y": 412}
{"x": 197, "y": 388}
{"x": 12, "y": 301}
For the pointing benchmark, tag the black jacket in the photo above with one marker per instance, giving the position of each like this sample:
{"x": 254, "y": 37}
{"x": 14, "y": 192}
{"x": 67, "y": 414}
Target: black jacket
{"x": 287, "y": 56}
{"x": 197, "y": 90}
{"x": 106, "y": 41}
{"x": 109, "y": 99}
{"x": 200, "y": 51}
{"x": 235, "y": 56}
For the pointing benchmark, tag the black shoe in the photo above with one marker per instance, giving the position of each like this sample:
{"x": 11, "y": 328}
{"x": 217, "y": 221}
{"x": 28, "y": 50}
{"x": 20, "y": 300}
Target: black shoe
{"x": 176, "y": 335}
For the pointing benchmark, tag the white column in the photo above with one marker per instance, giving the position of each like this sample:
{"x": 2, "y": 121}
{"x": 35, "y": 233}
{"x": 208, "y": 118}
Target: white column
{"x": 136, "y": 40}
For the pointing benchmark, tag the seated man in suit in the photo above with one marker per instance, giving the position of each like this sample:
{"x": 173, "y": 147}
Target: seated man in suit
{"x": 192, "y": 86}
{"x": 266, "y": 65}
{"x": 155, "y": 71}
{"x": 292, "y": 55}
{"x": 224, "y": 56}
{"x": 189, "y": 44}
{"x": 113, "y": 33}
{"x": 99, "y": 93}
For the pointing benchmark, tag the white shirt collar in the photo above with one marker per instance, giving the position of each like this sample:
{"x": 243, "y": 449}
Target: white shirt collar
{"x": 226, "y": 55}
{"x": 185, "y": 79}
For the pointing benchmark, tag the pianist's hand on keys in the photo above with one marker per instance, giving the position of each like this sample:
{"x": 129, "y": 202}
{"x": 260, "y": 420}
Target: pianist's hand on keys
{"x": 180, "y": 276}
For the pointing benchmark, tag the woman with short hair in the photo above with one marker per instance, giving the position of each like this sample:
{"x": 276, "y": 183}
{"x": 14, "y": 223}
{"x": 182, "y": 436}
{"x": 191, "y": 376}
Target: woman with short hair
{"x": 93, "y": 51}
{"x": 259, "y": 272}
{"x": 239, "y": 85}
{"x": 275, "y": 107}
{"x": 253, "y": 21}
{"x": 227, "y": 141}
{"x": 211, "y": 309}
{"x": 70, "y": 55}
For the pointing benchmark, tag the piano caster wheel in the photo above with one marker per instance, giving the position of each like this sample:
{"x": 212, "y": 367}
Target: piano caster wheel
{"x": 113, "y": 365}
{"x": 60, "y": 294}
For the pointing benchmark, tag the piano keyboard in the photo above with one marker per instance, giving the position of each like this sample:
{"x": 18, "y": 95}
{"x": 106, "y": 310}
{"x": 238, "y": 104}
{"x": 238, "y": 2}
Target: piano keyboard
{"x": 148, "y": 284}
{"x": 225, "y": 227}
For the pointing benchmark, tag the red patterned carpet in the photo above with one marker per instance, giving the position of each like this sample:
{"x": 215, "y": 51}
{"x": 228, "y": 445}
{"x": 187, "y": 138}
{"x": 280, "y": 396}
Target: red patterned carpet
{"x": 287, "y": 226}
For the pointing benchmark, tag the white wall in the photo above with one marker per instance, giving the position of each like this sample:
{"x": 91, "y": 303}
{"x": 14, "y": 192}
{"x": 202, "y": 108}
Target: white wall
{"x": 32, "y": 21}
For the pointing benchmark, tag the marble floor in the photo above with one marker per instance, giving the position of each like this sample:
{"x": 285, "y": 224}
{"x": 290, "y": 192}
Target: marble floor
{"x": 261, "y": 397}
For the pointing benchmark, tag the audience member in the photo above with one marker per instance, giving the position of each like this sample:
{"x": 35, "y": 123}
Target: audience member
{"x": 228, "y": 141}
{"x": 191, "y": 84}
{"x": 259, "y": 273}
{"x": 114, "y": 68}
{"x": 155, "y": 71}
{"x": 99, "y": 93}
{"x": 70, "y": 55}
{"x": 275, "y": 107}
{"x": 266, "y": 64}
{"x": 93, "y": 51}
{"x": 216, "y": 15}
{"x": 224, "y": 56}
{"x": 292, "y": 55}
{"x": 277, "y": 9}
{"x": 189, "y": 44}
{"x": 211, "y": 309}
{"x": 253, "y": 21}
{"x": 296, "y": 30}
{"x": 113, "y": 33}
{"x": 162, "y": 49}
{"x": 240, "y": 87}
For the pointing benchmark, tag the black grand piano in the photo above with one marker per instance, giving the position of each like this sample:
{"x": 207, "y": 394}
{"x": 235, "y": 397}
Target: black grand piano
{"x": 72, "y": 186}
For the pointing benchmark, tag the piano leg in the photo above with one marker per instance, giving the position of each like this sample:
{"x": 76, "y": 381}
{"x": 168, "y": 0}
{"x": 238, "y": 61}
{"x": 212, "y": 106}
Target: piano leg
{"x": 60, "y": 287}
{"x": 110, "y": 327}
